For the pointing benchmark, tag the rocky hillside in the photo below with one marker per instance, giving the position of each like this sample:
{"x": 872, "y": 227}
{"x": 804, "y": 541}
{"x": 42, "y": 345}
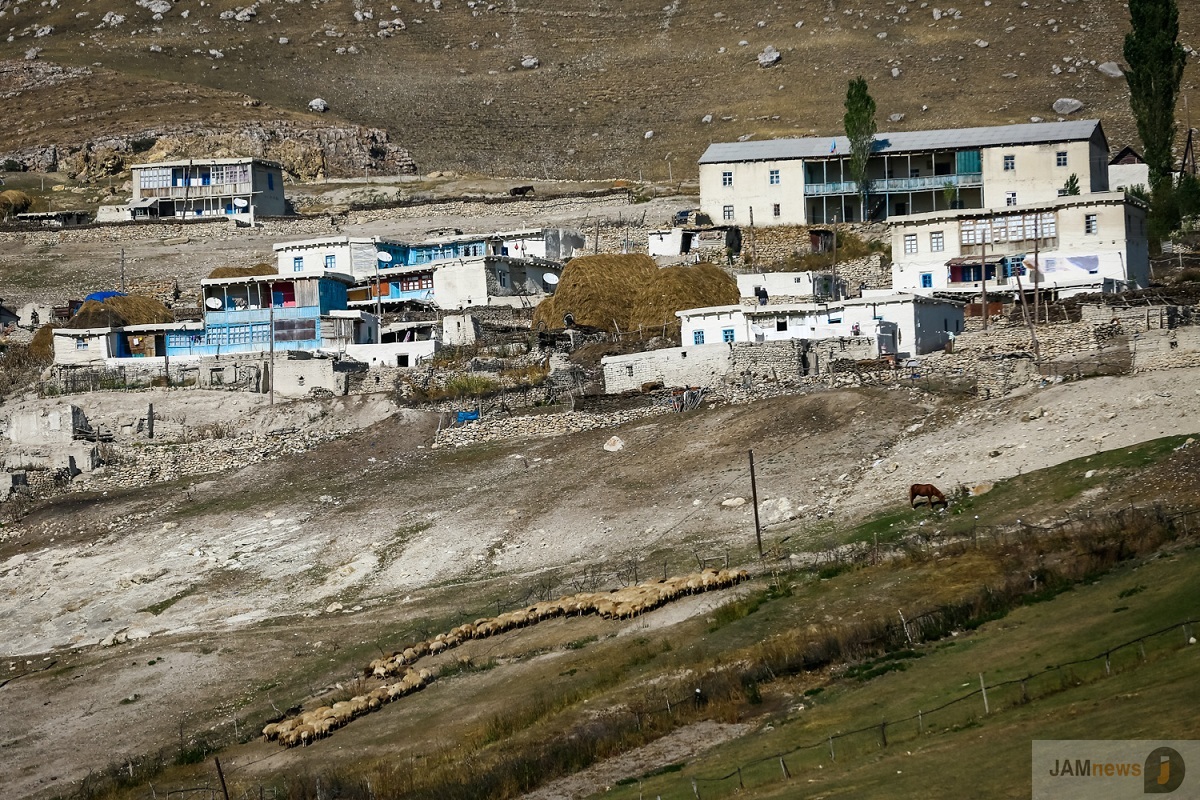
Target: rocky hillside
{"x": 574, "y": 89}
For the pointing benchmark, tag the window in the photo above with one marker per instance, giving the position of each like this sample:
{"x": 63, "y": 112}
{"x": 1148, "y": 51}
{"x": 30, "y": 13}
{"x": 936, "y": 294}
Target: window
{"x": 780, "y": 325}
{"x": 698, "y": 337}
{"x": 298, "y": 264}
{"x": 1010, "y": 163}
{"x": 775, "y": 209}
{"x": 1010, "y": 198}
{"x": 937, "y": 241}
{"x": 1060, "y": 158}
{"x": 727, "y": 212}
{"x": 910, "y": 243}
{"x": 1062, "y": 192}
{"x": 926, "y": 280}
{"x": 727, "y": 179}
{"x": 270, "y": 182}
{"x": 774, "y": 177}
{"x": 914, "y": 173}
{"x": 727, "y": 335}
{"x": 330, "y": 261}
{"x": 503, "y": 278}
{"x": 629, "y": 370}
{"x": 81, "y": 344}
{"x": 1090, "y": 225}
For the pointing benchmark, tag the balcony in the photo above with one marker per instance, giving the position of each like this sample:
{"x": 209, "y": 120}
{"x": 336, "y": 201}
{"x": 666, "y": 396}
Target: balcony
{"x": 193, "y": 192}
{"x": 416, "y": 295}
{"x": 246, "y": 316}
{"x": 927, "y": 183}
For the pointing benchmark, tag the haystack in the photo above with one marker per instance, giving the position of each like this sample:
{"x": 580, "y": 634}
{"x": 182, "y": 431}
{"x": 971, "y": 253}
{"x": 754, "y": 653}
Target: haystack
{"x": 42, "y": 343}
{"x": 597, "y": 290}
{"x": 117, "y": 311}
{"x": 243, "y": 272}
{"x": 676, "y": 288}
{"x": 14, "y": 201}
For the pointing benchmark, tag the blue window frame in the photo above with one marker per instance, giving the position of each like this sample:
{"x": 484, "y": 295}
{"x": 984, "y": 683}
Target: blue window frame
{"x": 698, "y": 337}
{"x": 926, "y": 280}
{"x": 270, "y": 181}
{"x": 727, "y": 335}
{"x": 330, "y": 261}
{"x": 298, "y": 264}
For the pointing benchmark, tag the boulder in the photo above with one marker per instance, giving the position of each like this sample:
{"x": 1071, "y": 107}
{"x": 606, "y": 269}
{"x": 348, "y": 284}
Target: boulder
{"x": 530, "y": 62}
{"x": 1067, "y": 105}
{"x": 614, "y": 444}
{"x": 1111, "y": 68}
{"x": 318, "y": 105}
{"x": 769, "y": 57}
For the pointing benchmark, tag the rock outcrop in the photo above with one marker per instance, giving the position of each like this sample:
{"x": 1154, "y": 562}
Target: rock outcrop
{"x": 306, "y": 152}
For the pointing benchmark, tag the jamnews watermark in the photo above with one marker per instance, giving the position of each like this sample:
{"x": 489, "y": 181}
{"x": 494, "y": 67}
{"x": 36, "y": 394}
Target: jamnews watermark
{"x": 1114, "y": 769}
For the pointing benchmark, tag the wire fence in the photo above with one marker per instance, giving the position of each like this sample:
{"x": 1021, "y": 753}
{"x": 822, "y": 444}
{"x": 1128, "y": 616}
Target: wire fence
{"x": 965, "y": 710}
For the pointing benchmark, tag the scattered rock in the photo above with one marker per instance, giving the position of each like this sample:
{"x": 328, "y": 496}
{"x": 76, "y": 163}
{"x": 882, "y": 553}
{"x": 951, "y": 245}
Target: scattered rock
{"x": 733, "y": 502}
{"x": 283, "y": 40}
{"x": 1067, "y": 105}
{"x": 769, "y": 57}
{"x": 895, "y": 72}
{"x": 648, "y": 135}
{"x": 1111, "y": 68}
{"x": 45, "y": 30}
{"x": 981, "y": 43}
{"x": 333, "y": 608}
{"x": 706, "y": 119}
{"x": 32, "y": 53}
{"x": 614, "y": 444}
{"x": 897, "y": 117}
{"x": 530, "y": 62}
{"x": 318, "y": 105}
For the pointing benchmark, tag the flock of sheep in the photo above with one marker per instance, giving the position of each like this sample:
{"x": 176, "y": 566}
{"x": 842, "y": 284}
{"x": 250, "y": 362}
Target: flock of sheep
{"x": 322, "y": 721}
{"x": 623, "y": 603}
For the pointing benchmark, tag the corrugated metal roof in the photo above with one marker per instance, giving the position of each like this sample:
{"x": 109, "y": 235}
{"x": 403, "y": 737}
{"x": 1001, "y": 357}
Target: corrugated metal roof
{"x": 903, "y": 141}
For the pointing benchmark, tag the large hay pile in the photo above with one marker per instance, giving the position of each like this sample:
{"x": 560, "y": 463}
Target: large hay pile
{"x": 243, "y": 272}
{"x": 117, "y": 311}
{"x": 676, "y": 288}
{"x": 13, "y": 201}
{"x": 631, "y": 291}
{"x": 42, "y": 343}
{"x": 597, "y": 290}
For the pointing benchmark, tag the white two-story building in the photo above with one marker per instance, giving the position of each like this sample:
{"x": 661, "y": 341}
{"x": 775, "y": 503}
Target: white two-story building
{"x": 1068, "y": 245}
{"x": 806, "y": 181}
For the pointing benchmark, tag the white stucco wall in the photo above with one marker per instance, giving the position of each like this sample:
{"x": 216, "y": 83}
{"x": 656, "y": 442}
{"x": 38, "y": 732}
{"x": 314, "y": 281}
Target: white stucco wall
{"x": 752, "y": 188}
{"x": 1121, "y": 176}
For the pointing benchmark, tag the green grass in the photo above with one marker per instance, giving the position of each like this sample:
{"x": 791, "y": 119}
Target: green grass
{"x": 1075, "y": 624}
{"x": 163, "y": 605}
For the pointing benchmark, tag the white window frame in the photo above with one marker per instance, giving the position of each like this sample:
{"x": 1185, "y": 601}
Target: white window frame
{"x": 727, "y": 179}
{"x": 910, "y": 244}
{"x": 1010, "y": 163}
{"x": 1010, "y": 198}
{"x": 937, "y": 241}
{"x": 1060, "y": 158}
{"x": 773, "y": 177}
{"x": 1091, "y": 224}
{"x": 727, "y": 213}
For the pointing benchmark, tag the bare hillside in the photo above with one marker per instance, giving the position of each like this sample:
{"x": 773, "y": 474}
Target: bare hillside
{"x": 574, "y": 89}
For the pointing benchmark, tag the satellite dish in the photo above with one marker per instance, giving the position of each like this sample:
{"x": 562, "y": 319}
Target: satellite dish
{"x": 550, "y": 278}
{"x": 214, "y": 303}
{"x": 384, "y": 257}
{"x": 241, "y": 202}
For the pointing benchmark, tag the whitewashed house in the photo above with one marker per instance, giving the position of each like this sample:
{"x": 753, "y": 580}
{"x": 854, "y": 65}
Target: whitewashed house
{"x": 900, "y": 324}
{"x": 1079, "y": 243}
{"x": 805, "y": 181}
{"x": 768, "y": 288}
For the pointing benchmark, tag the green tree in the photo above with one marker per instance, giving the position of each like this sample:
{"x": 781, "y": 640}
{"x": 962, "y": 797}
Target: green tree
{"x": 859, "y": 122}
{"x": 1155, "y": 60}
{"x": 1072, "y": 185}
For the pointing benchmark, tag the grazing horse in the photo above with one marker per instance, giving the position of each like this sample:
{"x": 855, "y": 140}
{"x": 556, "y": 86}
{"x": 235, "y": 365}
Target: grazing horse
{"x": 927, "y": 490}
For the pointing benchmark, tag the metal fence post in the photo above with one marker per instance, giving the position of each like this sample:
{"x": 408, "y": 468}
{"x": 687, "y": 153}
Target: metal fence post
{"x": 983, "y": 689}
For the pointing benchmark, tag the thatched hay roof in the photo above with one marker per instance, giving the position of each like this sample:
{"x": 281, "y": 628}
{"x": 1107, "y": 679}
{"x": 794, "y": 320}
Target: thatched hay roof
{"x": 598, "y": 290}
{"x": 243, "y": 272}
{"x": 676, "y": 288}
{"x": 117, "y": 311}
{"x": 631, "y": 291}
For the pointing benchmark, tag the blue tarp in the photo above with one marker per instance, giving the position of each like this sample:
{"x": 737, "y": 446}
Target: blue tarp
{"x": 100, "y": 297}
{"x": 467, "y": 416}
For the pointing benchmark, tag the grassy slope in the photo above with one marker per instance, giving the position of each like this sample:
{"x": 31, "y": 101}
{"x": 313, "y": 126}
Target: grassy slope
{"x": 1137, "y": 703}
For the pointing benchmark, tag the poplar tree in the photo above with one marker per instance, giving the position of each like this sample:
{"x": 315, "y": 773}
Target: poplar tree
{"x": 1155, "y": 60}
{"x": 859, "y": 123}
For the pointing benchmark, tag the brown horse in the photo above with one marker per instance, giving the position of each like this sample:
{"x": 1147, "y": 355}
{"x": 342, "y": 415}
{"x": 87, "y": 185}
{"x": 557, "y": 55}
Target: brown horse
{"x": 927, "y": 490}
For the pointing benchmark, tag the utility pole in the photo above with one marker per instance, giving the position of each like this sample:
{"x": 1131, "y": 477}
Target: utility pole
{"x": 122, "y": 269}
{"x": 1037, "y": 268}
{"x": 834, "y": 287}
{"x": 378, "y": 307}
{"x": 271, "y": 340}
{"x": 754, "y": 497}
{"x": 753, "y": 244}
{"x": 983, "y": 237}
